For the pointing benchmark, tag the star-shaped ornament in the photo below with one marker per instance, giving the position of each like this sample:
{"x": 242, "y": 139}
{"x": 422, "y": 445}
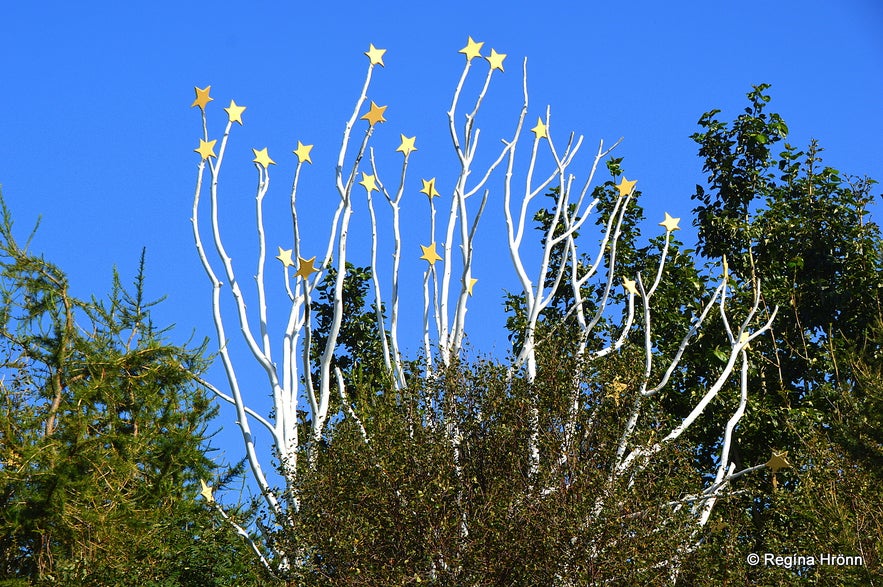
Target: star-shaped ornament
{"x": 470, "y": 283}
{"x": 625, "y": 186}
{"x": 496, "y": 60}
{"x": 285, "y": 256}
{"x": 375, "y": 114}
{"x": 429, "y": 188}
{"x": 540, "y": 130}
{"x": 206, "y": 491}
{"x": 778, "y": 461}
{"x": 202, "y": 97}
{"x": 303, "y": 152}
{"x": 407, "y": 145}
{"x": 670, "y": 224}
{"x": 743, "y": 339}
{"x": 306, "y": 267}
{"x": 375, "y": 55}
{"x": 369, "y": 182}
{"x": 234, "y": 112}
{"x": 206, "y": 148}
{"x": 471, "y": 50}
{"x": 629, "y": 285}
{"x": 430, "y": 254}
{"x": 262, "y": 158}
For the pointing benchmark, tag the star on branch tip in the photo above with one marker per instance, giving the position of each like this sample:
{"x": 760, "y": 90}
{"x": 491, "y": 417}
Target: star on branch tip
{"x": 496, "y": 60}
{"x": 369, "y": 182}
{"x": 303, "y": 152}
{"x": 470, "y": 283}
{"x": 472, "y": 49}
{"x": 625, "y": 186}
{"x": 629, "y": 285}
{"x": 375, "y": 114}
{"x": 206, "y": 149}
{"x": 540, "y": 130}
{"x": 206, "y": 491}
{"x": 285, "y": 256}
{"x": 262, "y": 158}
{"x": 778, "y": 461}
{"x": 430, "y": 254}
{"x": 202, "y": 97}
{"x": 234, "y": 112}
{"x": 306, "y": 267}
{"x": 407, "y": 145}
{"x": 670, "y": 223}
{"x": 429, "y": 188}
{"x": 375, "y": 55}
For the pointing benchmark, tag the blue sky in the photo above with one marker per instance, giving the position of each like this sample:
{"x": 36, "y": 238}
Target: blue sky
{"x": 97, "y": 133}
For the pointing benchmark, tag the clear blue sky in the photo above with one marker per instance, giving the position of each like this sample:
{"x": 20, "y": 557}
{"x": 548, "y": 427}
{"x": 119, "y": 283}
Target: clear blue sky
{"x": 97, "y": 133}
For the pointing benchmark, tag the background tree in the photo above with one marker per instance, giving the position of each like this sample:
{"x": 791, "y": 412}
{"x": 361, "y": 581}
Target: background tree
{"x": 103, "y": 439}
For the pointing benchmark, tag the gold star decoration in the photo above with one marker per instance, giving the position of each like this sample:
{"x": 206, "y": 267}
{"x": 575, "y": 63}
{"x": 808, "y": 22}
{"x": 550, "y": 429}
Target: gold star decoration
{"x": 375, "y": 114}
{"x": 206, "y": 491}
{"x": 496, "y": 60}
{"x": 778, "y": 461}
{"x": 625, "y": 186}
{"x": 629, "y": 285}
{"x": 616, "y": 389}
{"x": 430, "y": 254}
{"x": 375, "y": 55}
{"x": 743, "y": 339}
{"x": 407, "y": 145}
{"x": 540, "y": 130}
{"x": 429, "y": 188}
{"x": 369, "y": 182}
{"x": 303, "y": 152}
{"x": 471, "y": 50}
{"x": 285, "y": 256}
{"x": 206, "y": 148}
{"x": 262, "y": 158}
{"x": 670, "y": 223}
{"x": 306, "y": 267}
{"x": 202, "y": 97}
{"x": 234, "y": 112}
{"x": 470, "y": 283}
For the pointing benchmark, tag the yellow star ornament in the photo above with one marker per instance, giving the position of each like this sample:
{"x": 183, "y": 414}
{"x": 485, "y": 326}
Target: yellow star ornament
{"x": 306, "y": 267}
{"x": 407, "y": 145}
{"x": 285, "y": 256}
{"x": 629, "y": 285}
{"x": 670, "y": 224}
{"x": 429, "y": 188}
{"x": 369, "y": 182}
{"x": 206, "y": 149}
{"x": 625, "y": 186}
{"x": 540, "y": 130}
{"x": 496, "y": 60}
{"x": 375, "y": 55}
{"x": 262, "y": 158}
{"x": 778, "y": 461}
{"x": 375, "y": 114}
{"x": 430, "y": 254}
{"x": 234, "y": 112}
{"x": 471, "y": 50}
{"x": 303, "y": 152}
{"x": 206, "y": 491}
{"x": 470, "y": 283}
{"x": 202, "y": 97}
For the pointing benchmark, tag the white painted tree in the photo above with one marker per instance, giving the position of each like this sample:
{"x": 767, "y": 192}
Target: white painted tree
{"x": 300, "y": 382}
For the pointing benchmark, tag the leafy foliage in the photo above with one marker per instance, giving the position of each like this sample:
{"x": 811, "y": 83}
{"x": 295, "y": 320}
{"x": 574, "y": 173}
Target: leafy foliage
{"x": 103, "y": 436}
